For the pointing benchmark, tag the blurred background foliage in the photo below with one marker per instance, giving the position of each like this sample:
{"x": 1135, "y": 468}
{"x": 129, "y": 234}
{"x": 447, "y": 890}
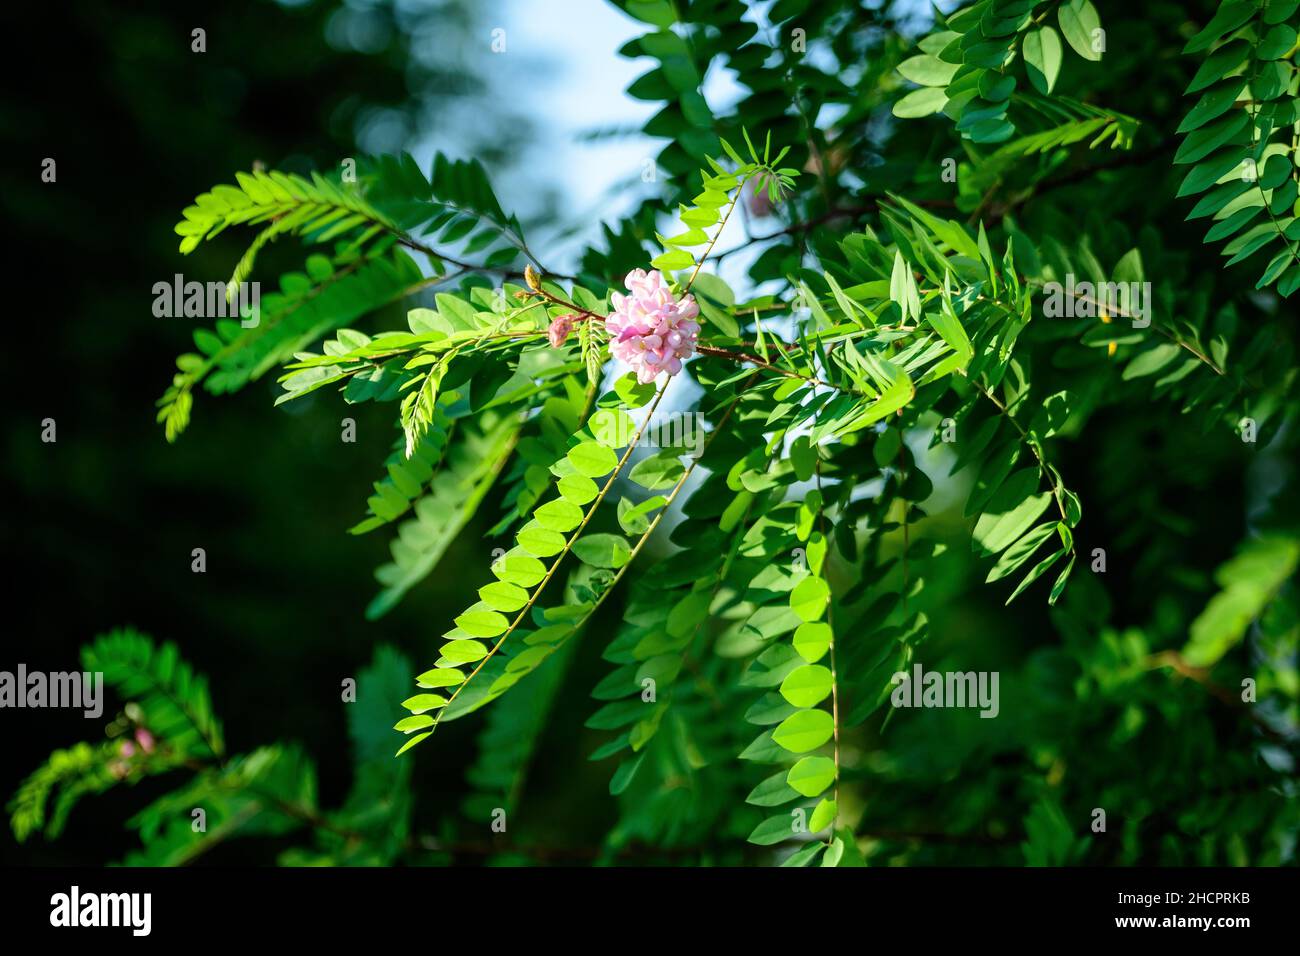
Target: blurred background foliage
{"x": 107, "y": 525}
{"x": 102, "y": 523}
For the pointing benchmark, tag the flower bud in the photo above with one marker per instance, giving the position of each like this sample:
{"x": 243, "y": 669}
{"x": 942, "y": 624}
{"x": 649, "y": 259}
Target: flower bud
{"x": 559, "y": 329}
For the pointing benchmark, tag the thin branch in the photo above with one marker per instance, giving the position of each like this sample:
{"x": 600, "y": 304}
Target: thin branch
{"x": 559, "y": 558}
{"x": 1033, "y": 446}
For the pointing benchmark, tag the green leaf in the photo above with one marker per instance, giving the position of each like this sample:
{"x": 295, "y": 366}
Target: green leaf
{"x": 603, "y": 550}
{"x": 612, "y": 427}
{"x": 1219, "y": 64}
{"x": 1217, "y": 101}
{"x": 923, "y": 102}
{"x": 578, "y": 488}
{"x": 807, "y": 685}
{"x": 927, "y": 70}
{"x": 559, "y": 515}
{"x": 540, "y": 541}
{"x": 1037, "y": 572}
{"x": 656, "y": 12}
{"x": 635, "y": 519}
{"x": 1010, "y": 512}
{"x": 1152, "y": 360}
{"x": 843, "y": 850}
{"x": 1277, "y": 43}
{"x": 809, "y": 598}
{"x": 464, "y": 651}
{"x": 812, "y": 640}
{"x": 441, "y": 677}
{"x": 1249, "y": 581}
{"x": 661, "y": 470}
{"x": 673, "y": 260}
{"x": 502, "y": 596}
{"x": 423, "y": 702}
{"x": 803, "y": 456}
{"x": 1207, "y": 139}
{"x": 1079, "y": 20}
{"x": 622, "y": 778}
{"x": 515, "y": 567}
{"x": 1021, "y": 551}
{"x": 1042, "y": 51}
{"x": 823, "y": 816}
{"x": 1231, "y": 14}
{"x": 773, "y": 830}
{"x": 811, "y": 775}
{"x": 805, "y": 856}
{"x": 772, "y": 792}
{"x": 804, "y": 731}
{"x": 592, "y": 459}
{"x": 1276, "y": 171}
{"x": 412, "y": 742}
{"x": 416, "y": 722}
{"x": 482, "y": 622}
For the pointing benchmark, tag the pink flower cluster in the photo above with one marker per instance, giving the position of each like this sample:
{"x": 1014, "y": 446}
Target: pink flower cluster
{"x": 119, "y": 766}
{"x": 649, "y": 329}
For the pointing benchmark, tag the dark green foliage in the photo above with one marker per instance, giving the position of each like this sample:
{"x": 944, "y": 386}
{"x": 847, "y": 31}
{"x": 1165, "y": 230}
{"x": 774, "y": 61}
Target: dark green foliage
{"x": 1240, "y": 135}
{"x": 934, "y": 437}
{"x": 268, "y": 792}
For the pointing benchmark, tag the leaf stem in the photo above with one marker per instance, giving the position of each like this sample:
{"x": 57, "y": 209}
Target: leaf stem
{"x": 835, "y": 684}
{"x": 559, "y": 558}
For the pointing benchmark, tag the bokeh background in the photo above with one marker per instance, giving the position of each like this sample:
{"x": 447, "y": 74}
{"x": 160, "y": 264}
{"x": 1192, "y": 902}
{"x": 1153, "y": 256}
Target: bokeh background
{"x": 101, "y": 524}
